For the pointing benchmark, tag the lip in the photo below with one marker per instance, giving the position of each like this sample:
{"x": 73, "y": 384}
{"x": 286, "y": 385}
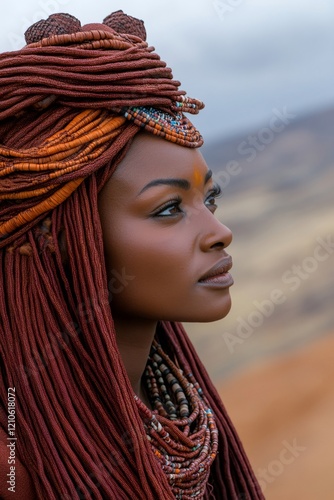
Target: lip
{"x": 218, "y": 275}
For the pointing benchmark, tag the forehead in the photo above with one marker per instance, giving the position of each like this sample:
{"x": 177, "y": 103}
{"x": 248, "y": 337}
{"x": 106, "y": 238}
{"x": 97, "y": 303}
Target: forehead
{"x": 151, "y": 157}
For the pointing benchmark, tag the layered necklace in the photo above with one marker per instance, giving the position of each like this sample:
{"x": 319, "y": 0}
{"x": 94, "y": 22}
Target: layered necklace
{"x": 181, "y": 427}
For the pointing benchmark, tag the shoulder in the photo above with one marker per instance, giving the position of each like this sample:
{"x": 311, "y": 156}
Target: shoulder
{"x": 15, "y": 482}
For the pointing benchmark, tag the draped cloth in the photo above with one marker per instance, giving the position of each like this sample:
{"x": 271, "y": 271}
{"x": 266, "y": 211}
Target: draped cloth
{"x": 71, "y": 102}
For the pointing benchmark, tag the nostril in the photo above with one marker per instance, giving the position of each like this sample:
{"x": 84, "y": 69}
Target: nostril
{"x": 218, "y": 245}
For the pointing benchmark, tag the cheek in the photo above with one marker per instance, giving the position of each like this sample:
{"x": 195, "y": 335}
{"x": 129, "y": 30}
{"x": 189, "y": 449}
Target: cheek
{"x": 155, "y": 269}
{"x": 151, "y": 255}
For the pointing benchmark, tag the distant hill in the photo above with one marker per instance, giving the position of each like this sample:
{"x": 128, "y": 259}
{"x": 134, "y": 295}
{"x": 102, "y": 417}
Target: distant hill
{"x": 281, "y": 153}
{"x": 278, "y": 183}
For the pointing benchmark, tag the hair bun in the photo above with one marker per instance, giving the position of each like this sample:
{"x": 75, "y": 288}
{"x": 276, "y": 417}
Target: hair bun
{"x": 124, "y": 24}
{"x": 56, "y": 24}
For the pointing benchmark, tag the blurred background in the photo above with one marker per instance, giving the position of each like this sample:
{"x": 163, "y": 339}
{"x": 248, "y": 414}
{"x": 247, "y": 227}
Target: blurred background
{"x": 265, "y": 70}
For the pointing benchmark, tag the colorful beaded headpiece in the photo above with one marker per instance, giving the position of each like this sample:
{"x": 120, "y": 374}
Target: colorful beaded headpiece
{"x": 175, "y": 128}
{"x": 80, "y": 85}
{"x": 169, "y": 124}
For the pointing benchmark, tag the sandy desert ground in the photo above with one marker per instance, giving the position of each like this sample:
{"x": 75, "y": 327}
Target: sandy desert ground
{"x": 283, "y": 409}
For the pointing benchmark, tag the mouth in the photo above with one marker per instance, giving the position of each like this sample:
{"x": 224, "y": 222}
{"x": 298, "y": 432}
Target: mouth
{"x": 218, "y": 275}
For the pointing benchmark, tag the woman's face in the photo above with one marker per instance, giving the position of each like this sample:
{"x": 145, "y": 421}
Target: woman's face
{"x": 161, "y": 236}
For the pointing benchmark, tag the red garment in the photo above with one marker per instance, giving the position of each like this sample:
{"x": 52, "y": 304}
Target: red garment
{"x": 23, "y": 485}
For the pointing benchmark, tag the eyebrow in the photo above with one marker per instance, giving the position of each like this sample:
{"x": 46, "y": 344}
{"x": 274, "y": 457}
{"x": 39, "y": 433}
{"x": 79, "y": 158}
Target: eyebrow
{"x": 180, "y": 183}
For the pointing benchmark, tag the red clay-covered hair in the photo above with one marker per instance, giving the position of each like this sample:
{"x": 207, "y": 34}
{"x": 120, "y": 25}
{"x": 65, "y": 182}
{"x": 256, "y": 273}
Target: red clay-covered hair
{"x": 70, "y": 103}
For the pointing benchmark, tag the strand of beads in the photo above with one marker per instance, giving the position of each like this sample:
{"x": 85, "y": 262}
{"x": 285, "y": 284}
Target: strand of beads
{"x": 187, "y": 104}
{"x": 181, "y": 428}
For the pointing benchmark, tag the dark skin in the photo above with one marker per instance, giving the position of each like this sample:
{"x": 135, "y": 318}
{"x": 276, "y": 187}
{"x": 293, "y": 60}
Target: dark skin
{"x": 159, "y": 229}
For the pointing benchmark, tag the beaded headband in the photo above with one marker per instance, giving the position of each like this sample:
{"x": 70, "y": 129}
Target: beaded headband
{"x": 176, "y": 128}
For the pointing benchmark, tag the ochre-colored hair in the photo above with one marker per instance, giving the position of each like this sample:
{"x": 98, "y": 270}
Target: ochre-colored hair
{"x": 70, "y": 103}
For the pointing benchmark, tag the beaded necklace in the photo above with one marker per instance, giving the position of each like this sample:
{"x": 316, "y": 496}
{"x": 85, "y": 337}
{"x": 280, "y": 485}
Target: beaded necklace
{"x": 181, "y": 427}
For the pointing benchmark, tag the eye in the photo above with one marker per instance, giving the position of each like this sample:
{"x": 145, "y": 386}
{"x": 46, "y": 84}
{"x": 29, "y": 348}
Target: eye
{"x": 212, "y": 196}
{"x": 169, "y": 209}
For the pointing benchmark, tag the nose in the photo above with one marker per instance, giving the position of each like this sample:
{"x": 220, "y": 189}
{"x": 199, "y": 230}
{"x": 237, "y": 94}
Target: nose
{"x": 215, "y": 235}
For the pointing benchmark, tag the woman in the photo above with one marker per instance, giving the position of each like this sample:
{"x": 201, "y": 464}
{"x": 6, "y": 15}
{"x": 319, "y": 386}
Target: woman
{"x": 108, "y": 241}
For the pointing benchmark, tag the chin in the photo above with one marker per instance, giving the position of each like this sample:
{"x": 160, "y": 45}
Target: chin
{"x": 216, "y": 315}
{"x": 209, "y": 312}
{"x": 216, "y": 310}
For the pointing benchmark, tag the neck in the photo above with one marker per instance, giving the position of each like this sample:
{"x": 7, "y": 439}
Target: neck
{"x": 134, "y": 340}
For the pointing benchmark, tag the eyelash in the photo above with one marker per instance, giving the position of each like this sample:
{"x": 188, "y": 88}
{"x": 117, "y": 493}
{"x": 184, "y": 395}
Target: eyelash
{"x": 213, "y": 194}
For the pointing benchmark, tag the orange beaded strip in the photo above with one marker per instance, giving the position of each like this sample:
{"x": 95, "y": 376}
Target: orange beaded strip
{"x": 85, "y": 138}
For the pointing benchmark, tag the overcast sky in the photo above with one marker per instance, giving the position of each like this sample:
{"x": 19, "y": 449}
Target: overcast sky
{"x": 243, "y": 58}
